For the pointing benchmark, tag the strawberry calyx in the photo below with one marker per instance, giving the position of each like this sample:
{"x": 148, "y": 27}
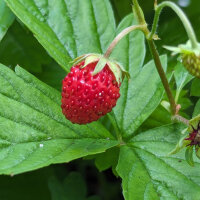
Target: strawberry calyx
{"x": 189, "y": 142}
{"x": 118, "y": 70}
{"x": 184, "y": 49}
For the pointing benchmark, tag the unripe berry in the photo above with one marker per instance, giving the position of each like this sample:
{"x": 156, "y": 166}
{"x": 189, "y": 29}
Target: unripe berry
{"x": 192, "y": 63}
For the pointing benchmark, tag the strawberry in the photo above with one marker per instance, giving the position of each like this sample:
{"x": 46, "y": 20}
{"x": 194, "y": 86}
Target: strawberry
{"x": 87, "y": 96}
{"x": 192, "y": 63}
{"x": 190, "y": 57}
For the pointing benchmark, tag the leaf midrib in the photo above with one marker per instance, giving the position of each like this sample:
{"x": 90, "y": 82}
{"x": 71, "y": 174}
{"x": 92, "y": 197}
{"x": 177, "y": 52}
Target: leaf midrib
{"x": 46, "y": 161}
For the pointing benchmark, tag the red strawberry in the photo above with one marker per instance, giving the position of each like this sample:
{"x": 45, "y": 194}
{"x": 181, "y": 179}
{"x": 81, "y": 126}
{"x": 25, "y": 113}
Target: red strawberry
{"x": 87, "y": 97}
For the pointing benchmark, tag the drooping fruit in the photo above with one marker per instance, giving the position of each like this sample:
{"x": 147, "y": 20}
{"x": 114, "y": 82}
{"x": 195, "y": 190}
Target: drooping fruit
{"x": 189, "y": 56}
{"x": 87, "y": 97}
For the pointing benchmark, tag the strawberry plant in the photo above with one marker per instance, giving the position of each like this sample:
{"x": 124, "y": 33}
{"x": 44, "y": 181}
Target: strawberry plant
{"x": 79, "y": 79}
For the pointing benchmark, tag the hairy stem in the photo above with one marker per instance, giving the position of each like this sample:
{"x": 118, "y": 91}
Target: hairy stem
{"x": 138, "y": 12}
{"x": 141, "y": 20}
{"x": 162, "y": 75}
{"x": 121, "y": 35}
{"x": 180, "y": 119}
{"x": 182, "y": 16}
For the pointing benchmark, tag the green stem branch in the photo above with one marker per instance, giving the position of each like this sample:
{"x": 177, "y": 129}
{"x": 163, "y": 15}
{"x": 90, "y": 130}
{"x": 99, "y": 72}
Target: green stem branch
{"x": 181, "y": 15}
{"x": 180, "y": 119}
{"x": 162, "y": 75}
{"x": 121, "y": 35}
{"x": 150, "y": 36}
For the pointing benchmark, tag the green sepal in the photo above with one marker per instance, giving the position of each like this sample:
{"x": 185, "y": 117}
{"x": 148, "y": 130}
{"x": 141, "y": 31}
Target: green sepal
{"x": 189, "y": 156}
{"x": 166, "y": 105}
{"x": 116, "y": 71}
{"x": 184, "y": 49}
{"x": 175, "y": 50}
{"x": 100, "y": 65}
{"x": 79, "y": 59}
{"x": 114, "y": 66}
{"x": 194, "y": 123}
{"x": 124, "y": 72}
{"x": 197, "y": 151}
{"x": 91, "y": 59}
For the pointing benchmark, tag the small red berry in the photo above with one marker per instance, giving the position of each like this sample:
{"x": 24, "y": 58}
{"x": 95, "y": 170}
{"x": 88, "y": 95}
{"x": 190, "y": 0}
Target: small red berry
{"x": 87, "y": 97}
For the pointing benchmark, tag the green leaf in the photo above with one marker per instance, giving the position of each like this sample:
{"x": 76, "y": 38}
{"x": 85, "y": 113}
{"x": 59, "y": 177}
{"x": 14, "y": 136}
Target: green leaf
{"x": 131, "y": 111}
{"x": 197, "y": 151}
{"x": 196, "y": 109}
{"x": 182, "y": 77}
{"x": 184, "y": 100}
{"x": 34, "y": 133}
{"x": 148, "y": 172}
{"x": 158, "y": 118}
{"x": 195, "y": 88}
{"x": 108, "y": 159}
{"x": 52, "y": 75}
{"x": 20, "y": 47}
{"x": 6, "y": 19}
{"x": 67, "y": 29}
{"x": 189, "y": 155}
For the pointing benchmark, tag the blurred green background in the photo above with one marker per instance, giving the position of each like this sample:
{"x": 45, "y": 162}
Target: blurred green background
{"x": 78, "y": 180}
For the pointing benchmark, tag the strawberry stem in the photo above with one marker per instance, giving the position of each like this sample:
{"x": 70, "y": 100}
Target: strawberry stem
{"x": 181, "y": 15}
{"x": 141, "y": 20}
{"x": 181, "y": 119}
{"x": 162, "y": 75}
{"x": 121, "y": 35}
